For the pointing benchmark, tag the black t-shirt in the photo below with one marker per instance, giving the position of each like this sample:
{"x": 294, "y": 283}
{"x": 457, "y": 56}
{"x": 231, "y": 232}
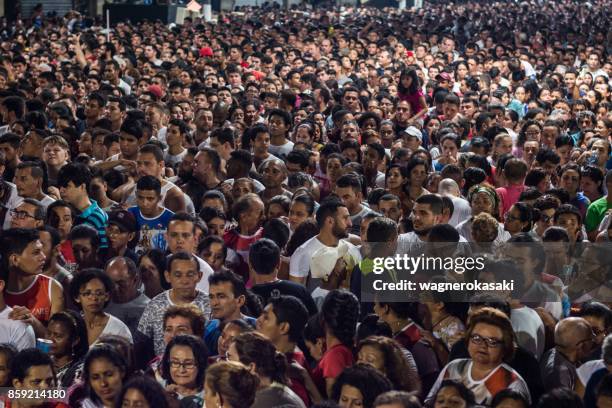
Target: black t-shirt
{"x": 283, "y": 287}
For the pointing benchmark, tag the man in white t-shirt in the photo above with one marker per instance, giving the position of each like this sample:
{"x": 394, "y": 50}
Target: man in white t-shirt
{"x": 334, "y": 223}
{"x": 462, "y": 210}
{"x": 181, "y": 238}
{"x": 13, "y": 332}
{"x": 29, "y": 180}
{"x": 348, "y": 188}
{"x": 427, "y": 212}
{"x": 279, "y": 123}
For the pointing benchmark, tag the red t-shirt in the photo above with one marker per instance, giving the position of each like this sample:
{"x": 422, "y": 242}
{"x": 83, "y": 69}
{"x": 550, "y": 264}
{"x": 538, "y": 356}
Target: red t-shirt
{"x": 296, "y": 384}
{"x": 508, "y": 196}
{"x": 333, "y": 362}
{"x": 37, "y": 298}
{"x": 408, "y": 336}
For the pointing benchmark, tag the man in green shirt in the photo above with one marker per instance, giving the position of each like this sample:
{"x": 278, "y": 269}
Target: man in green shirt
{"x": 598, "y": 208}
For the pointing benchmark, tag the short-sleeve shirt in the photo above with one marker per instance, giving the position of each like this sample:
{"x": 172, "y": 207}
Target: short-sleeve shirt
{"x": 333, "y": 362}
{"x": 596, "y": 213}
{"x": 97, "y": 218}
{"x": 508, "y": 196}
{"x": 152, "y": 230}
{"x": 151, "y": 323}
{"x": 15, "y": 332}
{"x": 501, "y": 378}
{"x": 557, "y": 370}
{"x": 299, "y": 265}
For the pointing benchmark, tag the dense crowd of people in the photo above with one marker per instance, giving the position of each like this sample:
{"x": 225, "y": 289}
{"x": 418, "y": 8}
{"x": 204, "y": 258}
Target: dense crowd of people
{"x": 190, "y": 213}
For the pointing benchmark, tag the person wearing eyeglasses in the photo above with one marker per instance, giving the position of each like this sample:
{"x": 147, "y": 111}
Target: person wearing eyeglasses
{"x": 183, "y": 367}
{"x": 544, "y": 211}
{"x": 519, "y": 219}
{"x": 91, "y": 291}
{"x": 490, "y": 344}
{"x": 574, "y": 341}
{"x": 29, "y": 214}
{"x": 599, "y": 317}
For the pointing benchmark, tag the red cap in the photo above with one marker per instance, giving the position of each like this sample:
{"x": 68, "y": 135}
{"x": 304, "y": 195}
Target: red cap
{"x": 206, "y": 52}
{"x": 409, "y": 54}
{"x": 156, "y": 90}
{"x": 444, "y": 76}
{"x": 258, "y": 75}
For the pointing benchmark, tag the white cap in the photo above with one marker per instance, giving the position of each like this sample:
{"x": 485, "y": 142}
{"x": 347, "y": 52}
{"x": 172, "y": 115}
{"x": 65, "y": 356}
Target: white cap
{"x": 414, "y": 132}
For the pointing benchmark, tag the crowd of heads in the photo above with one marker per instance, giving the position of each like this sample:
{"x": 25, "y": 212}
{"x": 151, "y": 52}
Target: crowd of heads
{"x": 190, "y": 211}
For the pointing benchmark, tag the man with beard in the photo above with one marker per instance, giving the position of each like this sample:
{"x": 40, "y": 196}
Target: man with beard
{"x": 239, "y": 166}
{"x": 184, "y": 169}
{"x": 206, "y": 175}
{"x": 426, "y": 213}
{"x": 334, "y": 223}
{"x": 348, "y": 188}
{"x": 203, "y": 124}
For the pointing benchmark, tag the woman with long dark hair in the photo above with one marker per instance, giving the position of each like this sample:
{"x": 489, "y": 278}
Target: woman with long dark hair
{"x": 69, "y": 336}
{"x": 142, "y": 392}
{"x": 409, "y": 89}
{"x": 339, "y": 316}
{"x": 104, "y": 372}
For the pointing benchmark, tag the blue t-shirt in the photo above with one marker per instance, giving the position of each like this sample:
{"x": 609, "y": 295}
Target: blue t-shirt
{"x": 152, "y": 230}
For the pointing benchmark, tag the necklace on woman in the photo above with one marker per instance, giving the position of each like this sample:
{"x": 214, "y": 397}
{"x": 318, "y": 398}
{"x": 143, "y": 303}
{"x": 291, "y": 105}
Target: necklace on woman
{"x": 94, "y": 324}
{"x": 444, "y": 317}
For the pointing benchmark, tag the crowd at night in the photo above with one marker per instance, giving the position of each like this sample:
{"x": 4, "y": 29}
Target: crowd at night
{"x": 196, "y": 214}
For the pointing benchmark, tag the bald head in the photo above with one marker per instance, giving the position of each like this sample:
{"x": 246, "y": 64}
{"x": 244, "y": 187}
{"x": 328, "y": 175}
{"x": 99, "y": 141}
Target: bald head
{"x": 124, "y": 274}
{"x": 449, "y": 186}
{"x": 571, "y": 332}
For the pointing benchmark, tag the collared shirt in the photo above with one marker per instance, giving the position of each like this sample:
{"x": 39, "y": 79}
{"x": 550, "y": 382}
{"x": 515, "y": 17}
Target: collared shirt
{"x": 97, "y": 218}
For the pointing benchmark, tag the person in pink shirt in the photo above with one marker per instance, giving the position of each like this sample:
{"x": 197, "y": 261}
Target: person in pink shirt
{"x": 515, "y": 172}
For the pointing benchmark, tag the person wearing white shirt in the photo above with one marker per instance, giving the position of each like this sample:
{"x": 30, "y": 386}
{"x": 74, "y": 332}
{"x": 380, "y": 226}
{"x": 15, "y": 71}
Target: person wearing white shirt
{"x": 181, "y": 238}
{"x": 9, "y": 200}
{"x": 334, "y": 223}
{"x": 29, "y": 180}
{"x": 426, "y": 213}
{"x": 14, "y": 332}
{"x": 462, "y": 210}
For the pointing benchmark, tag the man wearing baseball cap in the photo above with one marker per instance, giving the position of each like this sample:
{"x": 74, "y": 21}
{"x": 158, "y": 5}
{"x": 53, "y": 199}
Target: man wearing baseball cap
{"x": 444, "y": 80}
{"x": 122, "y": 231}
{"x": 412, "y": 138}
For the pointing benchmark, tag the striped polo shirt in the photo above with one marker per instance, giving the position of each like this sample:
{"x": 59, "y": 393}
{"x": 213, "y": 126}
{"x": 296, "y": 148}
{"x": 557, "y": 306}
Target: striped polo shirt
{"x": 97, "y": 218}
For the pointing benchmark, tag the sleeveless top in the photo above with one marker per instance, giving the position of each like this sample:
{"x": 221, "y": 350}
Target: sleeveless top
{"x": 37, "y": 298}
{"x": 167, "y": 186}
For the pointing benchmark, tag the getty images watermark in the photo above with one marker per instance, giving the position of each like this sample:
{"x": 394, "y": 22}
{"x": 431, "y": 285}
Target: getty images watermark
{"x": 423, "y": 264}
{"x": 536, "y": 273}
